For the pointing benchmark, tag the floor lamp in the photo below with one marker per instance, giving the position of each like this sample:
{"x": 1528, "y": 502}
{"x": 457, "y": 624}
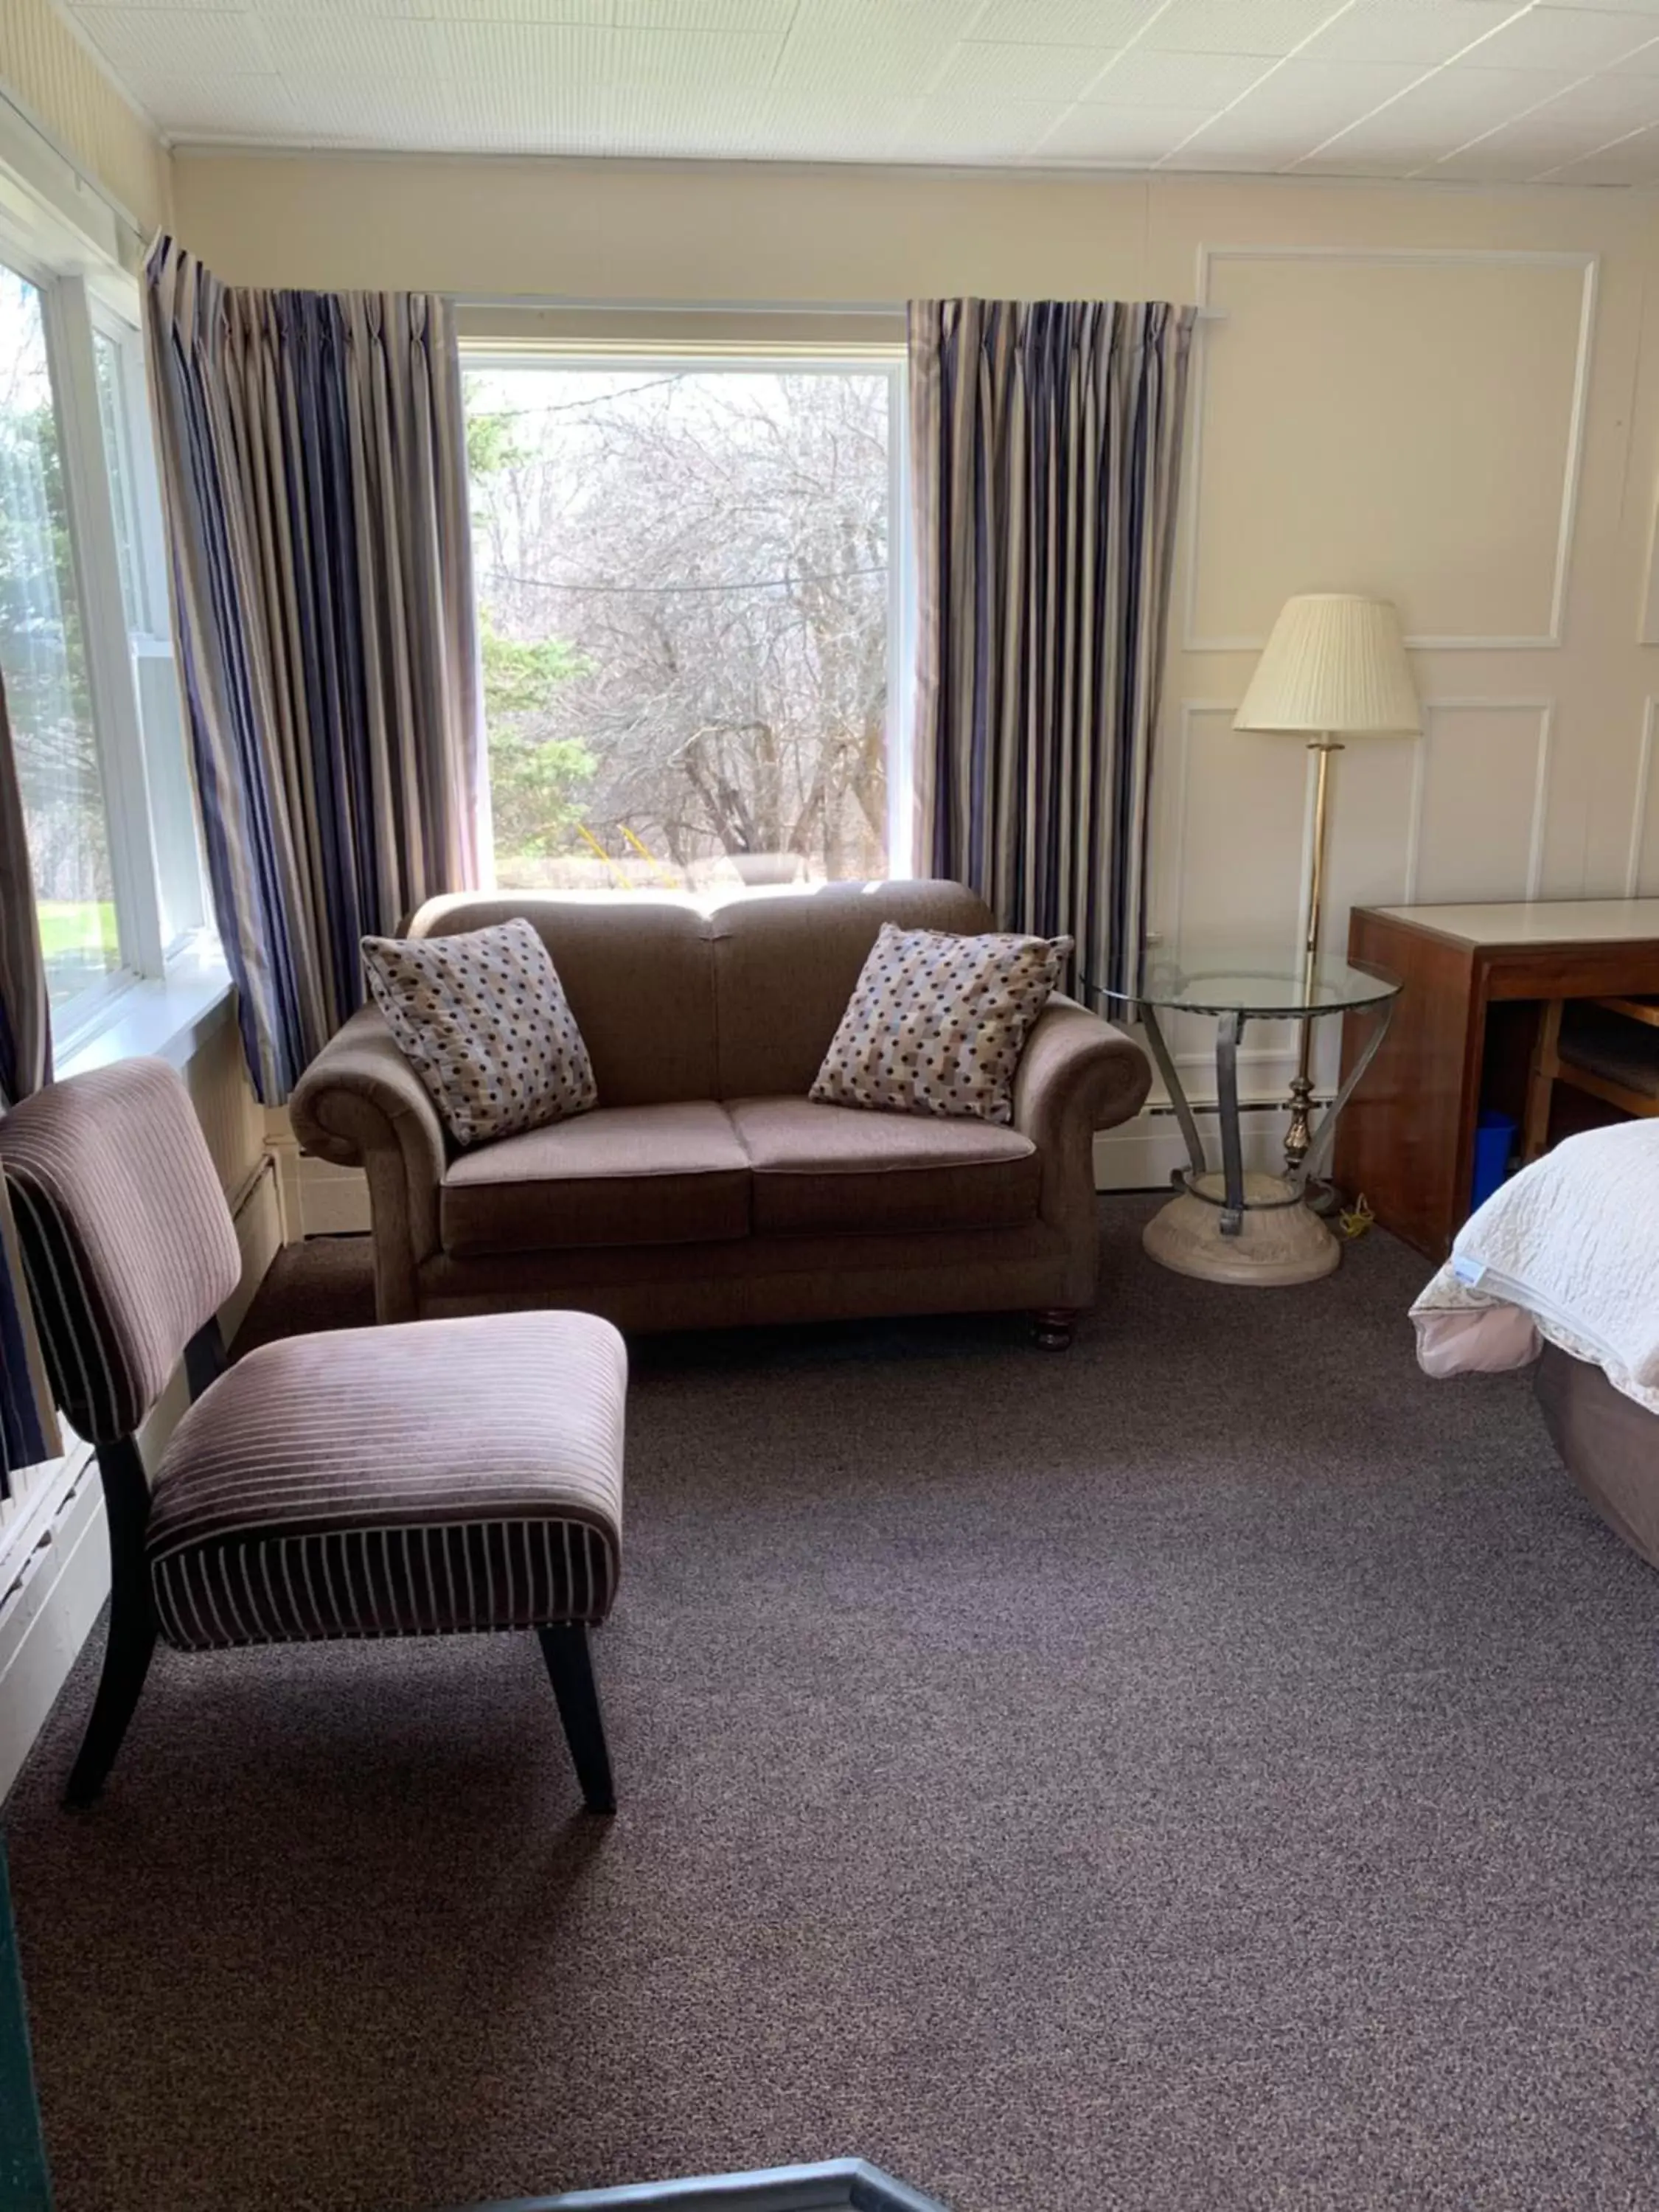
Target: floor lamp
{"x": 1334, "y": 667}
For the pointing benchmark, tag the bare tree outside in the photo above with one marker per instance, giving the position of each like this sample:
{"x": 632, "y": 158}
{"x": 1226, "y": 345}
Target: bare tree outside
{"x": 682, "y": 591}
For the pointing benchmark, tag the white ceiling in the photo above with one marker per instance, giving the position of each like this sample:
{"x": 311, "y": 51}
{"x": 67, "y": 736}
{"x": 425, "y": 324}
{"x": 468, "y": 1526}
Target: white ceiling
{"x": 1566, "y": 91}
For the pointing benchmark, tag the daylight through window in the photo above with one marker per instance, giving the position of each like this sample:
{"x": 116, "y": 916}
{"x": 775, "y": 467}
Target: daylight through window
{"x": 43, "y": 659}
{"x": 683, "y": 584}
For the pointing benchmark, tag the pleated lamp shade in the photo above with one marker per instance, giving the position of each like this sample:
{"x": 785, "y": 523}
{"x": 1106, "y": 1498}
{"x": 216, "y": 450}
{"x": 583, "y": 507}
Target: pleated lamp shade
{"x": 1334, "y": 662}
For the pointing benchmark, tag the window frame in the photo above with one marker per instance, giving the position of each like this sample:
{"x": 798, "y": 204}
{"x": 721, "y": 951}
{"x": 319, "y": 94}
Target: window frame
{"x": 81, "y": 300}
{"x": 482, "y": 355}
{"x": 181, "y": 890}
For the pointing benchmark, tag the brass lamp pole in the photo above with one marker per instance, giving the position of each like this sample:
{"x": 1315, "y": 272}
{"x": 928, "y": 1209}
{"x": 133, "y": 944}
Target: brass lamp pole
{"x": 1299, "y": 1133}
{"x": 1334, "y": 665}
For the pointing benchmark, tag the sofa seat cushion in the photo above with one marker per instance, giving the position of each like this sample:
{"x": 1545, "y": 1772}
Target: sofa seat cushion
{"x": 840, "y": 1167}
{"x": 672, "y": 1174}
{"x": 426, "y": 1479}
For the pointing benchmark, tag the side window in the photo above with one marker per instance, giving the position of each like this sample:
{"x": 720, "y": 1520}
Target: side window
{"x": 43, "y": 656}
{"x": 135, "y": 503}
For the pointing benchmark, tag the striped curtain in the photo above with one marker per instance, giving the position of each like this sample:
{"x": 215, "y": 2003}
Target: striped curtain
{"x": 29, "y": 1427}
{"x": 1046, "y": 450}
{"x": 313, "y": 460}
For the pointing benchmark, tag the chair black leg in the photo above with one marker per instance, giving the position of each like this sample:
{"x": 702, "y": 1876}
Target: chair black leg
{"x": 132, "y": 1621}
{"x": 570, "y": 1670}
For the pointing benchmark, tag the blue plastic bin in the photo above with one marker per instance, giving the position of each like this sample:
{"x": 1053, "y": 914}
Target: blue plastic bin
{"x": 1494, "y": 1146}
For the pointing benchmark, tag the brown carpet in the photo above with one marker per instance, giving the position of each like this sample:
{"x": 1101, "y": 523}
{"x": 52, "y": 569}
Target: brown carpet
{"x": 1216, "y": 1768}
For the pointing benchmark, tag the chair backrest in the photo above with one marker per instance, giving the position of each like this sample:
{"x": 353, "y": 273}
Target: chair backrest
{"x": 128, "y": 1245}
{"x": 736, "y": 997}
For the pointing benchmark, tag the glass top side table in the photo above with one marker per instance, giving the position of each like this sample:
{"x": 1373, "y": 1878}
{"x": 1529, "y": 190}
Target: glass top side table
{"x": 1232, "y": 1226}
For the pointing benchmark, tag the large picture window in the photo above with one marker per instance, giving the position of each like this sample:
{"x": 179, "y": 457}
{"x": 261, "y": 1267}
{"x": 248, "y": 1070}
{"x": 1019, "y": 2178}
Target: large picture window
{"x": 686, "y": 584}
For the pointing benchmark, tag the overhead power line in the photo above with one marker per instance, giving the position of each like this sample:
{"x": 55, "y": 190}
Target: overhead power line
{"x": 667, "y": 590}
{"x": 575, "y": 406}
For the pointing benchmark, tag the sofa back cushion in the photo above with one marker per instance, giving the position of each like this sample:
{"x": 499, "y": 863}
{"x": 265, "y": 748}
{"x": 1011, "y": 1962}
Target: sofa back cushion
{"x": 678, "y": 999}
{"x": 635, "y": 969}
{"x": 785, "y": 965}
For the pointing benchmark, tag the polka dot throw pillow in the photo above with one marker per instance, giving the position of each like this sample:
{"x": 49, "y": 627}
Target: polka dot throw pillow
{"x": 482, "y": 1019}
{"x": 937, "y": 1023}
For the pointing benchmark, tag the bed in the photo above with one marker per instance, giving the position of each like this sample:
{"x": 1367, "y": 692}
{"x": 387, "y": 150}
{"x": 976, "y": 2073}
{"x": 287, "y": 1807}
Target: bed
{"x": 1610, "y": 1445}
{"x": 1559, "y": 1270}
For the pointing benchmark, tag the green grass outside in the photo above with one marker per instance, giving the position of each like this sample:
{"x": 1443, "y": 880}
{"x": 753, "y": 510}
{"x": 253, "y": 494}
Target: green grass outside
{"x": 70, "y": 925}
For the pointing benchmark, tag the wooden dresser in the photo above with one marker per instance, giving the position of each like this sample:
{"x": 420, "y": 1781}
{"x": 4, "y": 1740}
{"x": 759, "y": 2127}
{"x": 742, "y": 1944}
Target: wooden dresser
{"x": 1476, "y": 981}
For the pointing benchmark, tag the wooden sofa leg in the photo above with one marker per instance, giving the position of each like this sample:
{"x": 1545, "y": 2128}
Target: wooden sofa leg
{"x": 570, "y": 1670}
{"x": 1052, "y": 1328}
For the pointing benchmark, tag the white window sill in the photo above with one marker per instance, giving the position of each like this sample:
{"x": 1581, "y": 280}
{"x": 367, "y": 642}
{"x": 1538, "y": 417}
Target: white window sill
{"x": 169, "y": 1019}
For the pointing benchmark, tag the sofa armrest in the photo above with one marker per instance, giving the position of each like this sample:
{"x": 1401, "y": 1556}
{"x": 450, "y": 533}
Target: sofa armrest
{"x": 1077, "y": 1074}
{"x": 360, "y": 1105}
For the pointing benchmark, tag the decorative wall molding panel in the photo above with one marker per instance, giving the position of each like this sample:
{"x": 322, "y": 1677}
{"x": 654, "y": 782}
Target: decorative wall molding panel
{"x": 1480, "y": 800}
{"x": 1407, "y": 421}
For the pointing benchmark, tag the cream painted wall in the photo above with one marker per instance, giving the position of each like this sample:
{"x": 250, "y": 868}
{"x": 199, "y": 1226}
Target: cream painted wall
{"x": 1446, "y": 397}
{"x": 44, "y": 67}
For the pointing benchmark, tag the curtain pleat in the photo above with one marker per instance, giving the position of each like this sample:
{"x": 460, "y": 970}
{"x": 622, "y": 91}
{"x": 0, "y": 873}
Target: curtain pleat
{"x": 28, "y": 1425}
{"x": 314, "y": 461}
{"x": 1046, "y": 451}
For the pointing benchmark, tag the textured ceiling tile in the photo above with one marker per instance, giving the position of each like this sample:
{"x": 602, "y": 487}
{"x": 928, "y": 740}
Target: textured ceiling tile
{"x": 869, "y": 43}
{"x": 591, "y": 13}
{"x": 193, "y": 42}
{"x": 1120, "y": 137}
{"x": 1517, "y": 153}
{"x": 245, "y": 108}
{"x": 1613, "y": 104}
{"x": 672, "y": 119}
{"x": 1319, "y": 97}
{"x": 1425, "y": 31}
{"x": 525, "y": 61}
{"x": 1250, "y": 153}
{"x": 694, "y": 61}
{"x": 388, "y": 113}
{"x": 323, "y": 47}
{"x": 541, "y": 115}
{"x": 1066, "y": 22}
{"x": 345, "y": 11}
{"x": 1471, "y": 89}
{"x": 1434, "y": 117}
{"x": 1567, "y": 41}
{"x": 1023, "y": 72}
{"x": 950, "y": 129}
{"x": 75, "y": 10}
{"x": 1144, "y": 74}
{"x": 1633, "y": 161}
{"x": 1238, "y": 27}
{"x": 806, "y": 125}
{"x": 703, "y": 14}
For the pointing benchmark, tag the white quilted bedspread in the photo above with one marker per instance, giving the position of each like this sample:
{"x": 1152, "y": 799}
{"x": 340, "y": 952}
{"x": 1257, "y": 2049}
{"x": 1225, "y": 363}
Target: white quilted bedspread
{"x": 1566, "y": 1251}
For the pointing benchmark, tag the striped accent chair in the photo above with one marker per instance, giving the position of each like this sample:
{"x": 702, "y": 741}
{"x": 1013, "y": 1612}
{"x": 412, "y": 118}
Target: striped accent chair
{"x": 426, "y": 1479}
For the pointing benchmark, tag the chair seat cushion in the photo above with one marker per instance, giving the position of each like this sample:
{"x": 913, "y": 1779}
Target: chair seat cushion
{"x": 672, "y": 1174}
{"x": 425, "y": 1478}
{"x": 838, "y": 1168}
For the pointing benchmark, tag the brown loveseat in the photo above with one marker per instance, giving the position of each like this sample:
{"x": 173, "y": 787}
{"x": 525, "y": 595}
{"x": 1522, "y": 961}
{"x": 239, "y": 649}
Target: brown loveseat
{"x": 705, "y": 1189}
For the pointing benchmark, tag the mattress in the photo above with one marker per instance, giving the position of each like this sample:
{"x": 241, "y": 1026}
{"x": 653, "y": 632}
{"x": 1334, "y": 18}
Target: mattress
{"x": 1609, "y": 1443}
